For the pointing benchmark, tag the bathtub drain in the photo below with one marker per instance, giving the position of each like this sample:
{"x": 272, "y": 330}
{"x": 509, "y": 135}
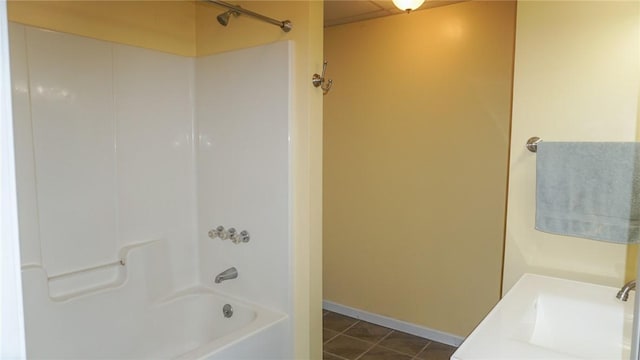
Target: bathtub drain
{"x": 227, "y": 310}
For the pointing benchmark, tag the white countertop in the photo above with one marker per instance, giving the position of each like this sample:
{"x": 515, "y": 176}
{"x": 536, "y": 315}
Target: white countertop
{"x": 550, "y": 318}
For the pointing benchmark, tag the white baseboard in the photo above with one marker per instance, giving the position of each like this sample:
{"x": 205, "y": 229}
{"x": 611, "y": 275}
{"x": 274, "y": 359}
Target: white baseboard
{"x": 395, "y": 324}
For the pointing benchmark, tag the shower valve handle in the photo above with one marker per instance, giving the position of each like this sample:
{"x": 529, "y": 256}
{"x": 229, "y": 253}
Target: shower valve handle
{"x": 217, "y": 232}
{"x": 231, "y": 234}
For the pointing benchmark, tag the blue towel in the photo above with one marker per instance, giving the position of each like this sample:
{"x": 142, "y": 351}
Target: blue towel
{"x": 589, "y": 190}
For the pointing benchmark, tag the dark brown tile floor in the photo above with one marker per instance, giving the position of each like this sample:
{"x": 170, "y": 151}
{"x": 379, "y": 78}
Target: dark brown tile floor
{"x": 346, "y": 338}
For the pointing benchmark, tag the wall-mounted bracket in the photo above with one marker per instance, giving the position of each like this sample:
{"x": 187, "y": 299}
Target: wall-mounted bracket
{"x": 319, "y": 80}
{"x": 532, "y": 144}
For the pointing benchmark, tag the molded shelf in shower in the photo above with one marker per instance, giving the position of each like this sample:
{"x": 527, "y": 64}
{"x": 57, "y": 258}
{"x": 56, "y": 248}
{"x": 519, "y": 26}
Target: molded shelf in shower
{"x": 90, "y": 280}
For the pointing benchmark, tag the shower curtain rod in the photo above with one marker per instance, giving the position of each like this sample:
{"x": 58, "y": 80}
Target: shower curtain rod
{"x": 285, "y": 25}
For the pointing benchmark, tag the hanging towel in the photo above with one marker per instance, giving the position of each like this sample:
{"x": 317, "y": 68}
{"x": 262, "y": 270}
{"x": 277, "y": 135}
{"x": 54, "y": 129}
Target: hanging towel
{"x": 589, "y": 190}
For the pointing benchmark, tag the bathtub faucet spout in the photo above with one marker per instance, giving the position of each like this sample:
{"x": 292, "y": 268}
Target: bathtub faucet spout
{"x": 230, "y": 273}
{"x": 623, "y": 294}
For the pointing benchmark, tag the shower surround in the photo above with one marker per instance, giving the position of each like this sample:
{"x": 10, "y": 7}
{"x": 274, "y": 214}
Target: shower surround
{"x": 126, "y": 158}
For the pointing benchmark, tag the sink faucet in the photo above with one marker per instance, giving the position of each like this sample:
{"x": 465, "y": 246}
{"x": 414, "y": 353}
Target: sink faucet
{"x": 623, "y": 294}
{"x": 230, "y": 273}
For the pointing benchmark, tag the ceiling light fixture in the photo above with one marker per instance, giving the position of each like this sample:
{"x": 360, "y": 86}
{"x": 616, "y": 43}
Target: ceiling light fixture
{"x": 408, "y": 5}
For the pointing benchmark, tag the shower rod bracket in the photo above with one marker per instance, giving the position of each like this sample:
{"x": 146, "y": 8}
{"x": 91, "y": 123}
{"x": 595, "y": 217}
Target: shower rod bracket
{"x": 285, "y": 25}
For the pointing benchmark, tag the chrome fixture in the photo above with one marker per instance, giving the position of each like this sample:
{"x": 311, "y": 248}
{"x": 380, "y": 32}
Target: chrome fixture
{"x": 223, "y": 18}
{"x": 230, "y": 273}
{"x": 318, "y": 80}
{"x": 227, "y": 310}
{"x": 242, "y": 236}
{"x": 532, "y": 144}
{"x": 623, "y": 294}
{"x": 217, "y": 232}
{"x": 236, "y": 10}
{"x": 237, "y": 238}
{"x": 231, "y": 234}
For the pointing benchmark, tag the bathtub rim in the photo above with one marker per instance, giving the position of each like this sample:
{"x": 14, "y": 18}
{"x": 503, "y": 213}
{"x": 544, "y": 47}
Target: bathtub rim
{"x": 264, "y": 319}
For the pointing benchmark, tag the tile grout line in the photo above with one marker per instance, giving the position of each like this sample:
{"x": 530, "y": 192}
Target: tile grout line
{"x": 343, "y": 332}
{"x": 401, "y": 352}
{"x": 331, "y": 338}
{"x": 332, "y": 354}
{"x": 377, "y": 343}
{"x": 415, "y": 357}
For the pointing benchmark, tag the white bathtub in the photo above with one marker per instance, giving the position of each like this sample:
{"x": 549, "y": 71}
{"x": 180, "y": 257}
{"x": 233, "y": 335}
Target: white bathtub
{"x": 249, "y": 331}
{"x": 140, "y": 318}
{"x": 189, "y": 326}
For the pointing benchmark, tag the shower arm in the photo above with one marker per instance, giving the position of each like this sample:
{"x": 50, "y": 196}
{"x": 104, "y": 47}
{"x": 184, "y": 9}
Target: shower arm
{"x": 285, "y": 25}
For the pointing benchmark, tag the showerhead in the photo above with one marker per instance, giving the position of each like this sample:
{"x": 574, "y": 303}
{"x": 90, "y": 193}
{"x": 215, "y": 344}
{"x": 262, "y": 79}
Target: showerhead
{"x": 223, "y": 18}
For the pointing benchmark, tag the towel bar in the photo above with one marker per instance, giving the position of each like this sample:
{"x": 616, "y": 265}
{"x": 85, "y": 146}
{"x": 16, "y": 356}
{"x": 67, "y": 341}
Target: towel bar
{"x": 532, "y": 144}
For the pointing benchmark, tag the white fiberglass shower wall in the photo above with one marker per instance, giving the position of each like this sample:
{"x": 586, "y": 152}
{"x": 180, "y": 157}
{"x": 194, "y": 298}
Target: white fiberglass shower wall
{"x": 126, "y": 157}
{"x": 104, "y": 155}
{"x": 242, "y": 107}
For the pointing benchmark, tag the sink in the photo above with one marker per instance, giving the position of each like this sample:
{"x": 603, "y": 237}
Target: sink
{"x": 584, "y": 329}
{"x": 550, "y": 318}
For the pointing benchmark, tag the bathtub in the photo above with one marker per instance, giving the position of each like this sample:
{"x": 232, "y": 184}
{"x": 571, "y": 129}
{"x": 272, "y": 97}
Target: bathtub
{"x": 143, "y": 318}
{"x": 249, "y": 331}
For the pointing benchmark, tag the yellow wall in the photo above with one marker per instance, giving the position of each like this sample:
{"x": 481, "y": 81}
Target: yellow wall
{"x": 576, "y": 78}
{"x": 167, "y": 26}
{"x": 415, "y": 168}
{"x": 190, "y": 28}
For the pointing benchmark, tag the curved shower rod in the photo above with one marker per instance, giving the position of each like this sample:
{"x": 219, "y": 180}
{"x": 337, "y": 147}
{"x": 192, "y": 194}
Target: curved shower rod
{"x": 285, "y": 25}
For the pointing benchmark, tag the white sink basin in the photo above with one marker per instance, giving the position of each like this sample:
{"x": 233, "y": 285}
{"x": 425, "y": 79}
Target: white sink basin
{"x": 549, "y": 318}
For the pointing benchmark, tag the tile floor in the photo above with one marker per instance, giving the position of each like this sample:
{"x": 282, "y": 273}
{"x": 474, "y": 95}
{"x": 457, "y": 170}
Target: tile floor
{"x": 346, "y": 338}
